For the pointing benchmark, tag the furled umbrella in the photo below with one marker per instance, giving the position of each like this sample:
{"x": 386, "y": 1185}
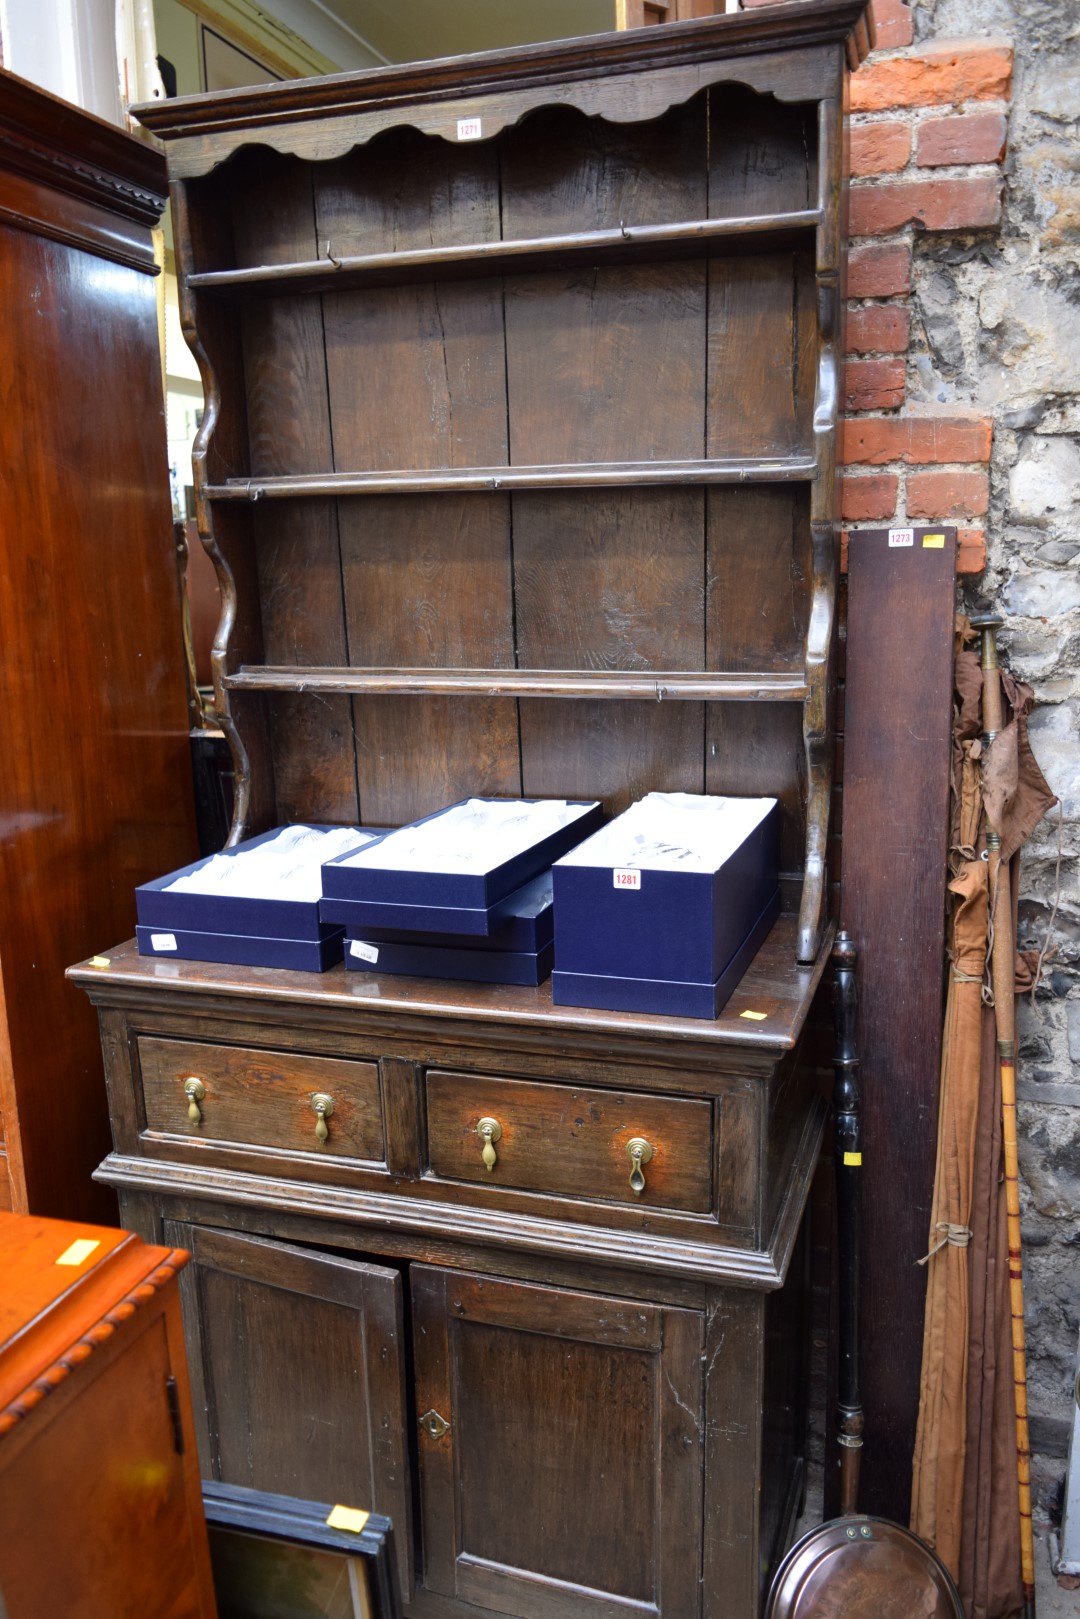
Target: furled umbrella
{"x": 941, "y": 1436}
{"x": 964, "y": 1497}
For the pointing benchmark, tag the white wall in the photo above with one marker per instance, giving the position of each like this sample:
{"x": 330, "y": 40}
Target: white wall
{"x": 67, "y": 47}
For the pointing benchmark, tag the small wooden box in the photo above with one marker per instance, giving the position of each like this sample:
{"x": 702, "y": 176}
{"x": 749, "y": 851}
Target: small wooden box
{"x": 100, "y": 1495}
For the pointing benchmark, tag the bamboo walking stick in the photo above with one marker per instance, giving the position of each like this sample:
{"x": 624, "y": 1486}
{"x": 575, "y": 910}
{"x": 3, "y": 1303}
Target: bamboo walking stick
{"x": 1003, "y": 975}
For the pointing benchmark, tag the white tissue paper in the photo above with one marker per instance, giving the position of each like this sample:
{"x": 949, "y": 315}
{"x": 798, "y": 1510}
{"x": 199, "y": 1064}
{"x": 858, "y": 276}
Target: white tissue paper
{"x": 673, "y": 832}
{"x": 471, "y": 838}
{"x": 285, "y": 867}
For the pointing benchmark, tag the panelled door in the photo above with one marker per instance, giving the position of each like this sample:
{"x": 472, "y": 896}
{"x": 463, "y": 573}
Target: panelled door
{"x": 560, "y": 1449}
{"x": 297, "y": 1363}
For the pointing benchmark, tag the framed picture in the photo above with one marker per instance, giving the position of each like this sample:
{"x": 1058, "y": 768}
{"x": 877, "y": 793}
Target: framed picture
{"x": 227, "y": 67}
{"x": 276, "y": 1557}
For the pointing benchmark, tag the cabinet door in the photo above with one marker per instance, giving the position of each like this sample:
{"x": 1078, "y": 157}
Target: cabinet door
{"x": 298, "y": 1373}
{"x": 95, "y": 1506}
{"x": 567, "y": 1482}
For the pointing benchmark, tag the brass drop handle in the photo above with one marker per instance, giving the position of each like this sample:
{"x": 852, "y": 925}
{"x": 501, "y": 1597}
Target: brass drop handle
{"x": 639, "y": 1152}
{"x": 489, "y": 1131}
{"x": 194, "y": 1090}
{"x": 322, "y": 1106}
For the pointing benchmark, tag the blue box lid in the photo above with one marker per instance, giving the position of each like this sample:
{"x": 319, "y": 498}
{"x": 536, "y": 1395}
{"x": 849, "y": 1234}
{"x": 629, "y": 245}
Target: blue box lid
{"x": 522, "y": 921}
{"x": 435, "y": 887}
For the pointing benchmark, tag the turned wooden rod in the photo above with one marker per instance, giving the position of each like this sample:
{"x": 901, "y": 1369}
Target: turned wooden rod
{"x": 633, "y": 686}
{"x": 575, "y": 475}
{"x": 472, "y": 258}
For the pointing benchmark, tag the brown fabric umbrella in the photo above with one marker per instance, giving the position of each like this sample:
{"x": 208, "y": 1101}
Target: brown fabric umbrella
{"x": 1016, "y": 797}
{"x": 941, "y": 1438}
{"x": 964, "y": 1494}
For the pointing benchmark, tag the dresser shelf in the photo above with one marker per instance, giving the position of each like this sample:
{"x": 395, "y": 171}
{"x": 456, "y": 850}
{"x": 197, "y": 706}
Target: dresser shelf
{"x": 630, "y": 685}
{"x": 627, "y": 243}
{"x": 584, "y": 475}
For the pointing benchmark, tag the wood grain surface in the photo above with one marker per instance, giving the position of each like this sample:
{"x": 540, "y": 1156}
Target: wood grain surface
{"x": 565, "y": 1139}
{"x": 300, "y": 1359}
{"x": 262, "y": 1098}
{"x": 897, "y": 744}
{"x": 93, "y": 1387}
{"x": 612, "y": 1415}
{"x": 96, "y": 782}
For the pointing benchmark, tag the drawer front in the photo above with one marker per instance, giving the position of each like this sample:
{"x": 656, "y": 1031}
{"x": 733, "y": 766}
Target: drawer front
{"x": 570, "y": 1142}
{"x": 262, "y": 1098}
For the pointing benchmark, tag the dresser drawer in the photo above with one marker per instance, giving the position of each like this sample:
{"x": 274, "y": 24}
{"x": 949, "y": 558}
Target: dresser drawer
{"x": 570, "y": 1142}
{"x": 262, "y": 1098}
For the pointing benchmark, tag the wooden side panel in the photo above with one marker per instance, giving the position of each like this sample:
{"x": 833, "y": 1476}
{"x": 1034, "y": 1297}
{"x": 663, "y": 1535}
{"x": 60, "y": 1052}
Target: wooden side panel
{"x": 301, "y": 1357}
{"x": 202, "y": 215}
{"x": 605, "y": 1398}
{"x": 896, "y": 795}
{"x": 95, "y": 787}
{"x": 112, "y": 1430}
{"x": 417, "y": 378}
{"x": 297, "y": 547}
{"x": 734, "y": 1357}
{"x": 607, "y": 364}
{"x": 785, "y": 1390}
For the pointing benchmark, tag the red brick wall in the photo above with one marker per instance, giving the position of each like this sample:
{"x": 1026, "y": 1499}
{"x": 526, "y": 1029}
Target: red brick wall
{"x": 928, "y": 131}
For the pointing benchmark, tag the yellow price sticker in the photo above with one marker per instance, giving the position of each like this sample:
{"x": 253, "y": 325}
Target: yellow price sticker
{"x": 755, "y": 1017}
{"x": 352, "y": 1518}
{"x": 853, "y": 1160}
{"x": 78, "y": 1252}
{"x": 933, "y": 542}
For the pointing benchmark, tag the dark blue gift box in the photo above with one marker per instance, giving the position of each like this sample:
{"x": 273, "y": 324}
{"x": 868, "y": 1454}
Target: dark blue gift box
{"x": 166, "y": 911}
{"x": 658, "y": 940}
{"x": 229, "y": 929}
{"x": 523, "y": 922}
{"x": 438, "y": 960}
{"x": 443, "y": 902}
{"x": 243, "y": 949}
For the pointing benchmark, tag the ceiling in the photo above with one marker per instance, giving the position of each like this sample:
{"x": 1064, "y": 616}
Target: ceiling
{"x": 404, "y": 30}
